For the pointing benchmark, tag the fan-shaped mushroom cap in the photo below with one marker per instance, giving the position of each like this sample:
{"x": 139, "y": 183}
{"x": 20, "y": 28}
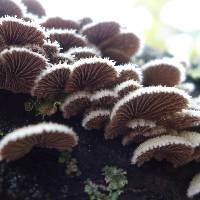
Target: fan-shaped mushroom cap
{"x": 67, "y": 38}
{"x": 46, "y": 135}
{"x": 129, "y": 72}
{"x": 59, "y": 23}
{"x": 34, "y": 6}
{"x": 127, "y": 43}
{"x": 118, "y": 56}
{"x": 21, "y": 67}
{"x": 91, "y": 74}
{"x": 18, "y": 32}
{"x": 166, "y": 72}
{"x": 104, "y": 98}
{"x": 97, "y": 33}
{"x": 181, "y": 120}
{"x": 83, "y": 52}
{"x": 147, "y": 103}
{"x": 95, "y": 119}
{"x": 75, "y": 104}
{"x": 126, "y": 87}
{"x": 51, "y": 82}
{"x": 194, "y": 187}
{"x": 174, "y": 149}
{"x": 11, "y": 8}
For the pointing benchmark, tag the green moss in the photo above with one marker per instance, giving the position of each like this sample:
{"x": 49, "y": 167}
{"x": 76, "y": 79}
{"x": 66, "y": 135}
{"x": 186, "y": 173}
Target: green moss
{"x": 70, "y": 163}
{"x": 115, "y": 180}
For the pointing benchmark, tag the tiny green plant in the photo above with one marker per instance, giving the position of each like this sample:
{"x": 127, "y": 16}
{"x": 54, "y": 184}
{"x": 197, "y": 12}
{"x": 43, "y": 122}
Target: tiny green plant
{"x": 115, "y": 180}
{"x": 70, "y": 163}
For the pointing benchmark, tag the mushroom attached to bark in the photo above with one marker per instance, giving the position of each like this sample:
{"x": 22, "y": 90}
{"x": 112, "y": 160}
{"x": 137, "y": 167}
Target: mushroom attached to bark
{"x": 91, "y": 74}
{"x": 46, "y": 135}
{"x": 21, "y": 67}
{"x": 75, "y": 104}
{"x": 67, "y": 38}
{"x": 104, "y": 99}
{"x": 151, "y": 103}
{"x": 18, "y": 32}
{"x": 59, "y": 23}
{"x": 174, "y": 149}
{"x": 97, "y": 33}
{"x": 51, "y": 82}
{"x": 95, "y": 119}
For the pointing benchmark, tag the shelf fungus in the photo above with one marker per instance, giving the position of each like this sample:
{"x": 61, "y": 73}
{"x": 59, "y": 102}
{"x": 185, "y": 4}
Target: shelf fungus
{"x": 194, "y": 186}
{"x": 83, "y": 52}
{"x": 139, "y": 130}
{"x": 75, "y": 104}
{"x": 11, "y": 8}
{"x": 60, "y": 23}
{"x": 95, "y": 119}
{"x": 126, "y": 87}
{"x": 51, "y": 82}
{"x": 21, "y": 67}
{"x": 104, "y": 99}
{"x": 18, "y": 32}
{"x": 129, "y": 72}
{"x": 181, "y": 120}
{"x": 99, "y": 32}
{"x": 128, "y": 43}
{"x": 151, "y": 103}
{"x": 51, "y": 48}
{"x": 46, "y": 135}
{"x": 67, "y": 38}
{"x": 174, "y": 149}
{"x": 34, "y": 7}
{"x": 166, "y": 72}
{"x": 91, "y": 74}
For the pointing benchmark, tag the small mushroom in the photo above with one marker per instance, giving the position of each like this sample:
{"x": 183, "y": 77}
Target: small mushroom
{"x": 34, "y": 7}
{"x": 99, "y": 32}
{"x": 165, "y": 71}
{"x": 11, "y": 8}
{"x": 18, "y": 32}
{"x": 175, "y": 149}
{"x": 126, "y": 87}
{"x": 75, "y": 104}
{"x": 51, "y": 82}
{"x": 95, "y": 119}
{"x": 60, "y": 23}
{"x": 46, "y": 135}
{"x": 83, "y": 52}
{"x": 21, "y": 67}
{"x": 104, "y": 99}
{"x": 91, "y": 74}
{"x": 67, "y": 38}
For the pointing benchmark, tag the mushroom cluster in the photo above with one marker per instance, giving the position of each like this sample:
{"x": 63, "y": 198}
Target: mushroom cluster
{"x": 88, "y": 67}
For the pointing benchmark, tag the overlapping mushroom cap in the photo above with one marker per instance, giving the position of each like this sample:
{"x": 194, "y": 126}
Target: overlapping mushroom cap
{"x": 151, "y": 103}
{"x": 51, "y": 82}
{"x": 60, "y": 23}
{"x": 194, "y": 187}
{"x": 20, "y": 68}
{"x": 165, "y": 71}
{"x": 46, "y": 135}
{"x": 91, "y": 74}
{"x": 11, "y": 8}
{"x": 18, "y": 32}
{"x": 175, "y": 149}
{"x": 34, "y": 7}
